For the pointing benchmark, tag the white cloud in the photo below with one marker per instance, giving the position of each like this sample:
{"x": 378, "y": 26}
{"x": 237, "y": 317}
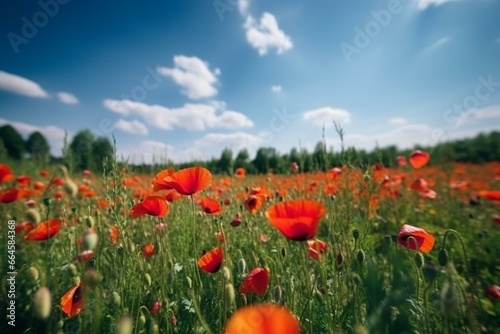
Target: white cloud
{"x": 19, "y": 85}
{"x": 276, "y": 88}
{"x": 438, "y": 43}
{"x": 67, "y": 98}
{"x": 398, "y": 121}
{"x": 193, "y": 75}
{"x": 423, "y": 4}
{"x": 150, "y": 151}
{"x": 190, "y": 116}
{"x": 243, "y": 6}
{"x": 325, "y": 116}
{"x": 134, "y": 127}
{"x": 266, "y": 34}
{"x": 492, "y": 111}
{"x": 53, "y": 134}
{"x": 235, "y": 141}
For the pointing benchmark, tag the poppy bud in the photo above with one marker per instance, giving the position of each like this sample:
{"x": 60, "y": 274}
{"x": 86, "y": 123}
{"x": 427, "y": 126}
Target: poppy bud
{"x": 115, "y": 298}
{"x": 278, "y": 295}
{"x": 360, "y": 256}
{"x": 229, "y": 295}
{"x": 242, "y": 266}
{"x": 124, "y": 325}
{"x": 33, "y": 273}
{"x": 443, "y": 257}
{"x": 366, "y": 177}
{"x": 60, "y": 324}
{"x": 73, "y": 270}
{"x": 90, "y": 239}
{"x": 339, "y": 258}
{"x": 76, "y": 280}
{"x": 355, "y": 234}
{"x": 283, "y": 252}
{"x": 333, "y": 197}
{"x": 89, "y": 221}
{"x": 42, "y": 303}
{"x": 151, "y": 326}
{"x": 226, "y": 274}
{"x": 47, "y": 201}
{"x": 33, "y": 216}
{"x": 148, "y": 279}
{"x": 142, "y": 320}
{"x": 190, "y": 282}
{"x": 419, "y": 260}
{"x": 173, "y": 320}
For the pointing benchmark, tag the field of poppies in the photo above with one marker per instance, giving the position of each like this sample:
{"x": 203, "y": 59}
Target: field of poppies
{"x": 408, "y": 249}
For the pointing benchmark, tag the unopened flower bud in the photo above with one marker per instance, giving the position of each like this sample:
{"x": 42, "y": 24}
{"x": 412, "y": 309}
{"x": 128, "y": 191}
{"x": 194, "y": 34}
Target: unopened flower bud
{"x": 42, "y": 303}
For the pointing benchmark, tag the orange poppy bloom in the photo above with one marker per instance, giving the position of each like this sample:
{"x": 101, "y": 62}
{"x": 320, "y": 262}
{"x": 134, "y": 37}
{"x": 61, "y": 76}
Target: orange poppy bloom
{"x": 148, "y": 250}
{"x": 211, "y": 260}
{"x": 210, "y": 206}
{"x": 11, "y": 195}
{"x": 151, "y": 205}
{"x": 44, "y": 230}
{"x": 38, "y": 185}
{"x": 296, "y": 219}
{"x": 294, "y": 167}
{"x": 401, "y": 160}
{"x": 171, "y": 195}
{"x": 24, "y": 227}
{"x": 419, "y": 159}
{"x": 240, "y": 172}
{"x": 5, "y": 173}
{"x": 114, "y": 234}
{"x": 333, "y": 173}
{"x": 256, "y": 282}
{"x": 262, "y": 319}
{"x": 23, "y": 180}
{"x": 316, "y": 249}
{"x": 44, "y": 173}
{"x": 409, "y": 235}
{"x": 253, "y": 203}
{"x": 158, "y": 183}
{"x": 72, "y": 301}
{"x": 493, "y": 195}
{"x": 189, "y": 181}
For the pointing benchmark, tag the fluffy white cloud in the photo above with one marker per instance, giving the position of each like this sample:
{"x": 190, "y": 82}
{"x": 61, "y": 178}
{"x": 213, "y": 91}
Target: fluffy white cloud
{"x": 235, "y": 141}
{"x": 53, "y": 134}
{"x": 398, "y": 121}
{"x": 492, "y": 111}
{"x": 326, "y": 116}
{"x": 423, "y": 4}
{"x": 276, "y": 88}
{"x": 20, "y": 85}
{"x": 243, "y": 6}
{"x": 150, "y": 151}
{"x": 190, "y": 116}
{"x": 266, "y": 34}
{"x": 134, "y": 127}
{"x": 67, "y": 98}
{"x": 193, "y": 75}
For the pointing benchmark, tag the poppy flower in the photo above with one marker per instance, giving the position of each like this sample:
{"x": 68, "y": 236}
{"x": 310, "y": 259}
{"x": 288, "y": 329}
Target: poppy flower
{"x": 171, "y": 195}
{"x": 333, "y": 173}
{"x": 220, "y": 237}
{"x": 85, "y": 256}
{"x": 24, "y": 226}
{"x": 294, "y": 167}
{"x": 5, "y": 173}
{"x": 262, "y": 319}
{"x": 151, "y": 205}
{"x": 86, "y": 173}
{"x": 316, "y": 249}
{"x": 256, "y": 282}
{"x": 44, "y": 230}
{"x": 11, "y": 195}
{"x": 235, "y": 222}
{"x": 211, "y": 260}
{"x": 72, "y": 301}
{"x": 263, "y": 238}
{"x": 23, "y": 180}
{"x": 114, "y": 234}
{"x": 401, "y": 160}
{"x": 158, "y": 183}
{"x": 240, "y": 172}
{"x": 253, "y": 203}
{"x": 419, "y": 159}
{"x": 189, "y": 181}
{"x": 39, "y": 185}
{"x": 422, "y": 188}
{"x": 44, "y": 172}
{"x": 160, "y": 227}
{"x": 210, "y": 206}
{"x": 409, "y": 234}
{"x": 496, "y": 219}
{"x": 493, "y": 195}
{"x": 155, "y": 307}
{"x": 493, "y": 292}
{"x": 296, "y": 219}
{"x": 148, "y": 250}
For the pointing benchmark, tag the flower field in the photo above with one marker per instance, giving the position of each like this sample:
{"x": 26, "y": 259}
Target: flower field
{"x": 408, "y": 249}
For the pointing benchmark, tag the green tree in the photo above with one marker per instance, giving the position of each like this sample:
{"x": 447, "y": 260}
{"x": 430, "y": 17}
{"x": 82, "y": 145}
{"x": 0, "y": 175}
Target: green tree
{"x": 12, "y": 141}
{"x": 81, "y": 150}
{"x": 225, "y": 163}
{"x": 102, "y": 154}
{"x": 37, "y": 146}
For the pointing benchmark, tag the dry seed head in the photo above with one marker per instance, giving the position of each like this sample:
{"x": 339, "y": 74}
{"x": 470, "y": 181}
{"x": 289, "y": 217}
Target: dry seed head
{"x": 42, "y": 303}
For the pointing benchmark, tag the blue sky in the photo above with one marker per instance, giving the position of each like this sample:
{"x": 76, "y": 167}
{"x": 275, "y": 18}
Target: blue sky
{"x": 185, "y": 79}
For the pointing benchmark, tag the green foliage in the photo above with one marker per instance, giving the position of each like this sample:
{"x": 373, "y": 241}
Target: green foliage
{"x": 37, "y": 146}
{"x": 88, "y": 152}
{"x": 12, "y": 141}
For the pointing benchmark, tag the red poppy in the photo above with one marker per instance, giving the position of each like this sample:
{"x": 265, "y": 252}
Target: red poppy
{"x": 294, "y": 167}
{"x": 148, "y": 250}
{"x": 220, "y": 236}
{"x": 419, "y": 159}
{"x": 114, "y": 234}
{"x": 38, "y": 185}
{"x": 210, "y": 206}
{"x": 240, "y": 172}
{"x": 409, "y": 234}
{"x": 262, "y": 319}
{"x": 72, "y": 301}
{"x": 211, "y": 260}
{"x": 401, "y": 160}
{"x": 421, "y": 186}
{"x": 44, "y": 230}
{"x": 253, "y": 203}
{"x": 155, "y": 307}
{"x": 158, "y": 183}
{"x": 85, "y": 256}
{"x": 24, "y": 227}
{"x": 151, "y": 205}
{"x": 86, "y": 173}
{"x": 256, "y": 282}
{"x": 296, "y": 219}
{"x": 189, "y": 181}
{"x": 263, "y": 238}
{"x": 23, "y": 180}
{"x": 496, "y": 219}
{"x": 236, "y": 222}
{"x": 493, "y": 195}
{"x": 493, "y": 292}
{"x": 316, "y": 249}
{"x": 44, "y": 173}
{"x": 5, "y": 173}
{"x": 11, "y": 195}
{"x": 171, "y": 195}
{"x": 333, "y": 173}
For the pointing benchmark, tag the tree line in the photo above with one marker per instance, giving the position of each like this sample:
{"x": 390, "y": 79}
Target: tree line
{"x": 86, "y": 151}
